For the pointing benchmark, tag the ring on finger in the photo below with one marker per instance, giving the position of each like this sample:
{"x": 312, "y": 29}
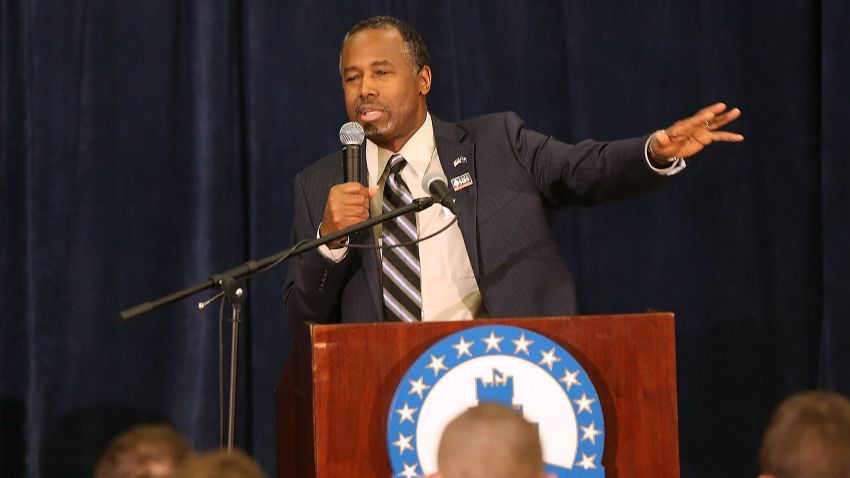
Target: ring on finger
{"x": 708, "y": 125}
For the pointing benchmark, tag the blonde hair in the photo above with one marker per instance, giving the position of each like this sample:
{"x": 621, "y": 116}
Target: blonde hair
{"x": 490, "y": 441}
{"x": 144, "y": 451}
{"x": 220, "y": 464}
{"x": 808, "y": 436}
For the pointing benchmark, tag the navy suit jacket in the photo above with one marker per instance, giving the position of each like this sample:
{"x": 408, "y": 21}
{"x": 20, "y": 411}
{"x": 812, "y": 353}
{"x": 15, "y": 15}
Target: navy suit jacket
{"x": 519, "y": 177}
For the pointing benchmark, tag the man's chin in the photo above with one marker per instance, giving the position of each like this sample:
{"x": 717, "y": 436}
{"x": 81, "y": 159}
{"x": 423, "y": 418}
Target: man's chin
{"x": 374, "y": 132}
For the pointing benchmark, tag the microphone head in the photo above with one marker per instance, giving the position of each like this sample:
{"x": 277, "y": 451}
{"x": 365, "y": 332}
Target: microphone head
{"x": 432, "y": 176}
{"x": 436, "y": 184}
{"x": 351, "y": 133}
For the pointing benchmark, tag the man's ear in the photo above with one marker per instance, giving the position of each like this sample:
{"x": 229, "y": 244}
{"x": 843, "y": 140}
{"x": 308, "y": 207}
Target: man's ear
{"x": 424, "y": 79}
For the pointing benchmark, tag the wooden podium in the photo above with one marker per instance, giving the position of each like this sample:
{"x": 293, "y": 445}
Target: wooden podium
{"x": 335, "y": 393}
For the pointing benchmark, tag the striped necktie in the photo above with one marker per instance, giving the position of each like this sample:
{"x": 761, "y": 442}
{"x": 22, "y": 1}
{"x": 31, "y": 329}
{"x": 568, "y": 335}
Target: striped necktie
{"x": 400, "y": 265}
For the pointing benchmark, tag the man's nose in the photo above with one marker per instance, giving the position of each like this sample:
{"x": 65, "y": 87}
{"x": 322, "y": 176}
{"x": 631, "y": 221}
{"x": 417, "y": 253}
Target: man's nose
{"x": 368, "y": 87}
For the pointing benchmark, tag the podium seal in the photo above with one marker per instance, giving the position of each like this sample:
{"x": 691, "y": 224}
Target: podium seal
{"x": 510, "y": 365}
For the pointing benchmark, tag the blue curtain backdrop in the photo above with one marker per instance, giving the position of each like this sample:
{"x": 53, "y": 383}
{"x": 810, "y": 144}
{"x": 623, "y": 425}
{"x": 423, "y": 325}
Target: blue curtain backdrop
{"x": 146, "y": 144}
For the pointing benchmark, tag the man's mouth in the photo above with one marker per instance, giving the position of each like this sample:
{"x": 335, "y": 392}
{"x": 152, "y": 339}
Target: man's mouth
{"x": 368, "y": 113}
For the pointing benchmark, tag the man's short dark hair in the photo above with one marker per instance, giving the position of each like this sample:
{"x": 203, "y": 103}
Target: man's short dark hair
{"x": 414, "y": 45}
{"x": 808, "y": 436}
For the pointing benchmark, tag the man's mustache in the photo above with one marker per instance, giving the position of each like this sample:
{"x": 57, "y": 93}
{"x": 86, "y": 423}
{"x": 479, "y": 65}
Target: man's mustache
{"x": 358, "y": 107}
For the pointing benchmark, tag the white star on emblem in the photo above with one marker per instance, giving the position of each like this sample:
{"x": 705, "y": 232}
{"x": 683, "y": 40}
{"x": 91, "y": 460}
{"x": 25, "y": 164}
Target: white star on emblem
{"x": 410, "y": 470}
{"x": 403, "y": 443}
{"x": 522, "y": 344}
{"x": 584, "y": 403}
{"x": 590, "y": 433}
{"x": 548, "y": 358}
{"x": 462, "y": 347}
{"x": 586, "y": 462}
{"x": 406, "y": 413}
{"x": 570, "y": 378}
{"x": 417, "y": 387}
{"x": 493, "y": 342}
{"x": 437, "y": 364}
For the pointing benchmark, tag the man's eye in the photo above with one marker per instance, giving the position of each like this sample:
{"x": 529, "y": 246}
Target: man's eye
{"x": 351, "y": 78}
{"x": 382, "y": 72}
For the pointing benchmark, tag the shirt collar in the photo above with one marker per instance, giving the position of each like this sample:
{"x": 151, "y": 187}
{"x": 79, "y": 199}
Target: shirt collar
{"x": 418, "y": 151}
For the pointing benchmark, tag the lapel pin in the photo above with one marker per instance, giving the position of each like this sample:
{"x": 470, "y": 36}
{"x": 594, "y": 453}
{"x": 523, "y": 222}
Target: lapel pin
{"x": 462, "y": 181}
{"x": 459, "y": 160}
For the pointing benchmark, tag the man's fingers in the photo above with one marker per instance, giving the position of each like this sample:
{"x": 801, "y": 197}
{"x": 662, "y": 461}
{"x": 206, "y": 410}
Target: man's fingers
{"x": 700, "y": 120}
{"x": 682, "y": 129}
{"x": 710, "y": 118}
{"x": 714, "y": 109}
{"x": 351, "y": 194}
{"x": 340, "y": 213}
{"x": 351, "y": 188}
{"x": 348, "y": 204}
{"x": 350, "y": 200}
{"x": 727, "y": 137}
{"x": 688, "y": 136}
{"x": 722, "y": 120}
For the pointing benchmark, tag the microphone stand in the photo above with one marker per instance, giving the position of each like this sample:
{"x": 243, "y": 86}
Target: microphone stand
{"x": 233, "y": 287}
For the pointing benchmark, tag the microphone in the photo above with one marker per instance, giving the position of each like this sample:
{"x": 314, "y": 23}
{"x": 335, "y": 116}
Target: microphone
{"x": 435, "y": 183}
{"x": 351, "y": 136}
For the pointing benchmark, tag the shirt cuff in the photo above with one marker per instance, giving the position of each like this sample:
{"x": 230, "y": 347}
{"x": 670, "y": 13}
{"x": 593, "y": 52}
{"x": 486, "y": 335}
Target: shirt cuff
{"x": 333, "y": 255}
{"x": 676, "y": 164}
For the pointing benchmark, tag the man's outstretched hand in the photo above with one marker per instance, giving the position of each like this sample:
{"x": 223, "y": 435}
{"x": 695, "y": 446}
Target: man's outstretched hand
{"x": 689, "y": 136}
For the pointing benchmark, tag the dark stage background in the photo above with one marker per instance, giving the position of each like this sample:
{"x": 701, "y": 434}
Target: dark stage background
{"x": 148, "y": 143}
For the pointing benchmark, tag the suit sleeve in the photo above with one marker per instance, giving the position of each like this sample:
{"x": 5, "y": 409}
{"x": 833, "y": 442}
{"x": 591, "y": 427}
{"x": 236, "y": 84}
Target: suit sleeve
{"x": 313, "y": 283}
{"x": 582, "y": 174}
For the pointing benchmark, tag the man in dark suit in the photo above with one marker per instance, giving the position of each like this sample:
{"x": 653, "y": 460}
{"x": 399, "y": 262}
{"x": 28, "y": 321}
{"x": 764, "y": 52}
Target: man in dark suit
{"x": 499, "y": 259}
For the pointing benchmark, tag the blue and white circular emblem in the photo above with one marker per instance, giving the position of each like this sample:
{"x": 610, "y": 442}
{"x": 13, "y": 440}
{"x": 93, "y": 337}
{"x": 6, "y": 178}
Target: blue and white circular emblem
{"x": 513, "y": 366}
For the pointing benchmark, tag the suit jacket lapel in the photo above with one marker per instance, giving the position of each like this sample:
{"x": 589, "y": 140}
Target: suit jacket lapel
{"x": 458, "y": 158}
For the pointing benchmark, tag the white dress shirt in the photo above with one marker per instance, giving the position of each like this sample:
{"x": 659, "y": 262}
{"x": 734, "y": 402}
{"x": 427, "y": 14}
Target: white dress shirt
{"x": 449, "y": 289}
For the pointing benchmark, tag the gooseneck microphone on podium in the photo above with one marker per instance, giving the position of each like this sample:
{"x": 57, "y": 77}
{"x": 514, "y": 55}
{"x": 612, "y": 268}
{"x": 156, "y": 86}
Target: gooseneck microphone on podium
{"x": 351, "y": 136}
{"x": 436, "y": 185}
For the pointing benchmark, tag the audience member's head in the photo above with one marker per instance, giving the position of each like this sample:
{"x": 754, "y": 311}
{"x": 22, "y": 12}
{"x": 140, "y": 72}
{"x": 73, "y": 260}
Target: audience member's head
{"x": 490, "y": 441}
{"x": 220, "y": 464}
{"x": 808, "y": 436}
{"x": 145, "y": 451}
